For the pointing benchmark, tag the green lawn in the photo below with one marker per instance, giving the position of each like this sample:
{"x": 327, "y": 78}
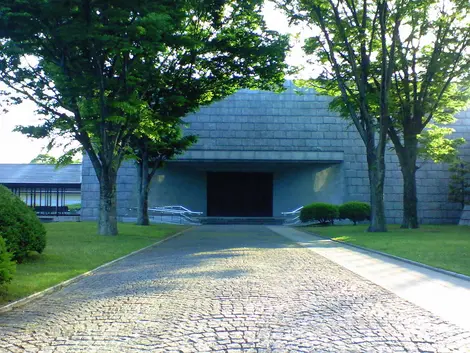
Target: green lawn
{"x": 444, "y": 246}
{"x": 75, "y": 248}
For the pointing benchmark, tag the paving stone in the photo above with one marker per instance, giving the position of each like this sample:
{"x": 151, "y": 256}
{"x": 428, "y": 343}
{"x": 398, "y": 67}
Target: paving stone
{"x": 226, "y": 289}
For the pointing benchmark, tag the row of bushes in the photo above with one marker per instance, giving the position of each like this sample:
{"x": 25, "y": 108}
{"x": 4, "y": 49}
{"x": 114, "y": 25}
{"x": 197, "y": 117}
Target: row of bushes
{"x": 20, "y": 232}
{"x": 325, "y": 213}
{"x": 69, "y": 208}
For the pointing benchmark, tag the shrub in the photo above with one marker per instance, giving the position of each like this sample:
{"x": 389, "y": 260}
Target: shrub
{"x": 7, "y": 267}
{"x": 75, "y": 207}
{"x": 355, "y": 211}
{"x": 20, "y": 227}
{"x": 320, "y": 212}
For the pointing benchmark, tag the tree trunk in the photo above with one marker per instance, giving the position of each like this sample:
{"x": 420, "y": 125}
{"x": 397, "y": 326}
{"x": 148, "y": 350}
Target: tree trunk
{"x": 410, "y": 199}
{"x": 376, "y": 166}
{"x": 107, "y": 223}
{"x": 407, "y": 157}
{"x": 142, "y": 207}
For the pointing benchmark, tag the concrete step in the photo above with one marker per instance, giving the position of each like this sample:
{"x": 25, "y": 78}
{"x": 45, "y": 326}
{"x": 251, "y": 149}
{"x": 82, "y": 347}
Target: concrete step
{"x": 242, "y": 220}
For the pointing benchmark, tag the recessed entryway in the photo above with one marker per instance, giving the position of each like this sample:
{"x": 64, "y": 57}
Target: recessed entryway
{"x": 234, "y": 194}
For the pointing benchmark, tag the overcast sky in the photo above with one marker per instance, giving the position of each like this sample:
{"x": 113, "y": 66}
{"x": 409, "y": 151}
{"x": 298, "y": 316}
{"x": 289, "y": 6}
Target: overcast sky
{"x": 16, "y": 148}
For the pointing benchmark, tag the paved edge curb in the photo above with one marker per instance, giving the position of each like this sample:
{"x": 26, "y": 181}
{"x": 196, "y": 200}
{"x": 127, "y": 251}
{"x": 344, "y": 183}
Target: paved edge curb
{"x": 23, "y": 301}
{"x": 398, "y": 258}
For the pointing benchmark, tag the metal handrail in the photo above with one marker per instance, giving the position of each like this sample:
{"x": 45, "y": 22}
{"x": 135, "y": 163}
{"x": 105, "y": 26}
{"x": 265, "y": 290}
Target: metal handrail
{"x": 167, "y": 214}
{"x": 294, "y": 220}
{"x": 174, "y": 209}
{"x": 296, "y": 211}
{"x": 189, "y": 219}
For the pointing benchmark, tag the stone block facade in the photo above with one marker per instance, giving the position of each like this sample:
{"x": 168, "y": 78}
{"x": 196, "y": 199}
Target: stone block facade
{"x": 255, "y": 129}
{"x": 465, "y": 217}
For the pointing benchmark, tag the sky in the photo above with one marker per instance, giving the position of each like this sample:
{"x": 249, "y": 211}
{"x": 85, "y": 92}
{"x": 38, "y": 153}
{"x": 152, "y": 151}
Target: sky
{"x": 17, "y": 148}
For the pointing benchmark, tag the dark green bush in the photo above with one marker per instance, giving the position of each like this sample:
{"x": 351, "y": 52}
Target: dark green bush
{"x": 355, "y": 211}
{"x": 75, "y": 207}
{"x": 7, "y": 267}
{"x": 19, "y": 226}
{"x": 319, "y": 211}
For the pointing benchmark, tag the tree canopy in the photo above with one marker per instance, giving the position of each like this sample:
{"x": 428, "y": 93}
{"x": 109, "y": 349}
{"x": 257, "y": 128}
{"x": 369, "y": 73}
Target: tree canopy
{"x": 356, "y": 41}
{"x": 95, "y": 69}
{"x": 398, "y": 67}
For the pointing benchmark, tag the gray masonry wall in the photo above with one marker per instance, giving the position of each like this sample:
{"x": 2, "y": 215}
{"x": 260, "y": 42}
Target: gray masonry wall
{"x": 273, "y": 124}
{"x": 179, "y": 185}
{"x": 298, "y": 185}
{"x": 126, "y": 189}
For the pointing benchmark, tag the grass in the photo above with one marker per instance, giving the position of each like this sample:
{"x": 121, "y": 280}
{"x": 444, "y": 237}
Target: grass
{"x": 443, "y": 246}
{"x": 75, "y": 248}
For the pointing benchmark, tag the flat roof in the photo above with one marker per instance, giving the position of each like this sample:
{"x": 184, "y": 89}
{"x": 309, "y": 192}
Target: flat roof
{"x": 40, "y": 174}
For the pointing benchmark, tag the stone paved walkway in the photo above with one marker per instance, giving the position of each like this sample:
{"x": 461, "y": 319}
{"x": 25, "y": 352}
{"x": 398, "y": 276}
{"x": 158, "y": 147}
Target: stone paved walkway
{"x": 226, "y": 289}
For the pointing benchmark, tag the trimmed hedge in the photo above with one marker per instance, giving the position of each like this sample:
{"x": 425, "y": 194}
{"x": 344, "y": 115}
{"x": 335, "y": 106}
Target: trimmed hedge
{"x": 321, "y": 212}
{"x": 20, "y": 227}
{"x": 75, "y": 207}
{"x": 7, "y": 267}
{"x": 355, "y": 211}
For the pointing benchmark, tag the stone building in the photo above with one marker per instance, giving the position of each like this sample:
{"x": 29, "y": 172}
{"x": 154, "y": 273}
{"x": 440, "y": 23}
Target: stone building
{"x": 261, "y": 153}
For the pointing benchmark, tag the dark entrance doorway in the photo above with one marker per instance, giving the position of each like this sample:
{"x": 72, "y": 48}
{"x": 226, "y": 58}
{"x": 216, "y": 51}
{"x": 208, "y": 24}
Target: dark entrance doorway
{"x": 239, "y": 194}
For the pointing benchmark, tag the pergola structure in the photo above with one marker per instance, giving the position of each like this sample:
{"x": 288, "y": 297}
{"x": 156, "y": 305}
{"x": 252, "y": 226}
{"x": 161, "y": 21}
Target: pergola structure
{"x": 48, "y": 190}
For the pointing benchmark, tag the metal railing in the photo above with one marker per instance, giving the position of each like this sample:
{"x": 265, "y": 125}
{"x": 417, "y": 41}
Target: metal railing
{"x": 292, "y": 217}
{"x": 170, "y": 215}
{"x": 175, "y": 209}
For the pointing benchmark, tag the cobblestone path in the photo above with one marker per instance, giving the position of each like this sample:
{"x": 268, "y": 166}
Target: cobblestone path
{"x": 226, "y": 289}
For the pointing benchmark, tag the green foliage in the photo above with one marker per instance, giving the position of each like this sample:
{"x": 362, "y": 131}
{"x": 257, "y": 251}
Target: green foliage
{"x": 355, "y": 211}
{"x": 393, "y": 66}
{"x": 103, "y": 71}
{"x": 66, "y": 159}
{"x": 347, "y": 42}
{"x": 19, "y": 226}
{"x": 155, "y": 143}
{"x": 429, "y": 81}
{"x": 75, "y": 207}
{"x": 165, "y": 57}
{"x": 459, "y": 185}
{"x": 321, "y": 212}
{"x": 152, "y": 146}
{"x": 44, "y": 159}
{"x": 436, "y": 146}
{"x": 7, "y": 266}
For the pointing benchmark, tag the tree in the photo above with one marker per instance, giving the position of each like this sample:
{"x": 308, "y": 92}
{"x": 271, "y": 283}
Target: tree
{"x": 80, "y": 62}
{"x": 44, "y": 159}
{"x": 413, "y": 65}
{"x": 63, "y": 160}
{"x": 430, "y": 84}
{"x": 152, "y": 151}
{"x": 356, "y": 40}
{"x": 95, "y": 68}
{"x": 459, "y": 185}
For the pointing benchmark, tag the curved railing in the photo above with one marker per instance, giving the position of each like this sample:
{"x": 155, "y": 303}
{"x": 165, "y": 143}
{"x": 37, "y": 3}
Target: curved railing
{"x": 292, "y": 217}
{"x": 174, "y": 214}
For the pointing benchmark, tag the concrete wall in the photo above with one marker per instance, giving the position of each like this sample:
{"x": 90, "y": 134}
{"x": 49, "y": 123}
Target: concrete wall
{"x": 289, "y": 122}
{"x": 298, "y": 185}
{"x": 179, "y": 185}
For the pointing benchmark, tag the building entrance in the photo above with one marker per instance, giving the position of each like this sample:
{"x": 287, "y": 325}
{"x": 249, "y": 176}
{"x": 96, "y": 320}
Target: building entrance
{"x": 233, "y": 194}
